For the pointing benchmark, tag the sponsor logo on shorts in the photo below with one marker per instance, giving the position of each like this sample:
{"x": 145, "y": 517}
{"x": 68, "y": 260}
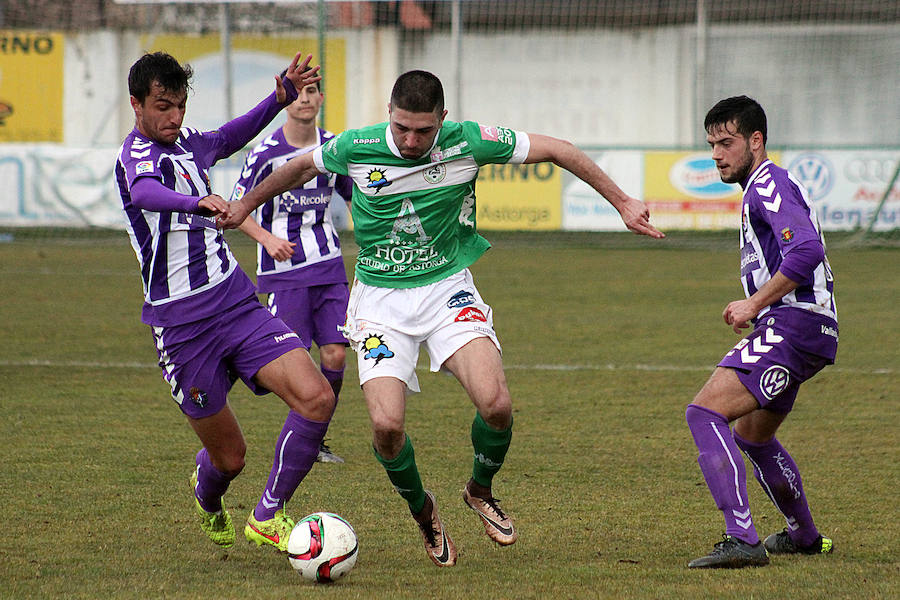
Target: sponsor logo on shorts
{"x": 376, "y": 348}
{"x": 829, "y": 330}
{"x": 198, "y": 397}
{"x": 462, "y": 298}
{"x": 470, "y": 314}
{"x": 284, "y": 336}
{"x": 773, "y": 381}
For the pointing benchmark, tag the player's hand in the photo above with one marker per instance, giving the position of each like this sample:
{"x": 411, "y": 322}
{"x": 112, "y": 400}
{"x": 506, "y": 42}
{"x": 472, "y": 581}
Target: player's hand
{"x": 233, "y": 215}
{"x": 295, "y": 72}
{"x": 738, "y": 314}
{"x": 212, "y": 205}
{"x": 278, "y": 248}
{"x": 636, "y": 217}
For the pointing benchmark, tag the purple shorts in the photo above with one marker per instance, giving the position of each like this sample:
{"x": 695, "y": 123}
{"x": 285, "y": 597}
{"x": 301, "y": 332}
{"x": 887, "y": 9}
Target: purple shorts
{"x": 314, "y": 312}
{"x": 771, "y": 366}
{"x": 202, "y": 360}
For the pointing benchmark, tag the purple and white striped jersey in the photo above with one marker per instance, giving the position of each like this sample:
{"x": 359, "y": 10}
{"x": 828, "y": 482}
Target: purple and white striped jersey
{"x": 182, "y": 255}
{"x": 301, "y": 215}
{"x": 776, "y": 215}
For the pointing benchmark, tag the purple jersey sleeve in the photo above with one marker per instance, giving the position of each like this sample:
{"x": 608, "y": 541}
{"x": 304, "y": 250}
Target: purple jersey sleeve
{"x": 343, "y": 185}
{"x": 800, "y": 263}
{"x": 150, "y": 194}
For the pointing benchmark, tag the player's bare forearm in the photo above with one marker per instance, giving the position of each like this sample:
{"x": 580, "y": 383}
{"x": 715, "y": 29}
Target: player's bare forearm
{"x": 564, "y": 154}
{"x": 276, "y": 247}
{"x": 292, "y": 174}
{"x": 739, "y": 313}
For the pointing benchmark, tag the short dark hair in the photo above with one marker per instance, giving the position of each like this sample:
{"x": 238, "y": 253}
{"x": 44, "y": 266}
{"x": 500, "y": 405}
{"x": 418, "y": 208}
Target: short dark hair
{"x": 161, "y": 68}
{"x": 418, "y": 91}
{"x": 747, "y": 114}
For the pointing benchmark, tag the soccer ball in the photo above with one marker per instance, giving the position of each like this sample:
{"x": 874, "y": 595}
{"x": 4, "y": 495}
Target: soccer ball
{"x": 322, "y": 547}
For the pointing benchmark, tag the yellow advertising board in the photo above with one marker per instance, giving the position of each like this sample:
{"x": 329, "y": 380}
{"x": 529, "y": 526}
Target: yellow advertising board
{"x": 519, "y": 197}
{"x": 683, "y": 190}
{"x": 31, "y": 86}
{"x": 194, "y": 48}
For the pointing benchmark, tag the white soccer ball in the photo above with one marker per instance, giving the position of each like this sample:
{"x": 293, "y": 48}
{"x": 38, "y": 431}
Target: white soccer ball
{"x": 322, "y": 547}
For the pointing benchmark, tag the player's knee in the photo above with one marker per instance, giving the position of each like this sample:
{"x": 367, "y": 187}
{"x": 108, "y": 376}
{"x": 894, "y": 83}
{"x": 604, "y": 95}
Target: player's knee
{"x": 495, "y": 407}
{"x": 388, "y": 442}
{"x": 497, "y": 411}
{"x": 333, "y": 356}
{"x": 313, "y": 400}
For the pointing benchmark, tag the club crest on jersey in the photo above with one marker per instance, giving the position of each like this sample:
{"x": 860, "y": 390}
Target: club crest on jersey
{"x": 198, "y": 397}
{"x": 773, "y": 381}
{"x": 787, "y": 235}
{"x": 378, "y": 179}
{"x": 376, "y": 348}
{"x": 435, "y": 174}
{"x": 470, "y": 314}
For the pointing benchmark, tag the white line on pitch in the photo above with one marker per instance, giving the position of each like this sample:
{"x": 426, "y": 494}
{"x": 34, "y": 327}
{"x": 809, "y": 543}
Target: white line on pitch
{"x": 507, "y": 367}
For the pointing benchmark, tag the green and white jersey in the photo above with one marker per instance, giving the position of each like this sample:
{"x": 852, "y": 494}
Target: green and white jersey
{"x": 414, "y": 220}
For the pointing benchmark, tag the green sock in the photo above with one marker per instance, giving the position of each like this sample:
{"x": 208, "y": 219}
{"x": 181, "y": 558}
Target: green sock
{"x": 490, "y": 449}
{"x": 404, "y": 474}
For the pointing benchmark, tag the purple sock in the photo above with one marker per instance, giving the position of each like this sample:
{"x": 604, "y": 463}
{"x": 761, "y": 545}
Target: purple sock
{"x": 779, "y": 477}
{"x": 295, "y": 452}
{"x": 336, "y": 378}
{"x": 723, "y": 468}
{"x": 211, "y": 483}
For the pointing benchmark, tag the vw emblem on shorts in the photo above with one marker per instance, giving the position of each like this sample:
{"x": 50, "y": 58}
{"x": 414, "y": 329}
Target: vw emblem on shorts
{"x": 773, "y": 381}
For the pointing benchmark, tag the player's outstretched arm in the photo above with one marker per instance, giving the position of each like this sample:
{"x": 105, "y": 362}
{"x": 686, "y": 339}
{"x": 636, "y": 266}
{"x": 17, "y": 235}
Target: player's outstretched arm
{"x": 564, "y": 154}
{"x": 298, "y": 75}
{"x": 291, "y": 174}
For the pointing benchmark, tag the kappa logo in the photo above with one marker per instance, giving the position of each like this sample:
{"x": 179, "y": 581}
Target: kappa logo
{"x": 376, "y": 349}
{"x": 198, "y": 397}
{"x": 378, "y": 179}
{"x": 470, "y": 314}
{"x": 774, "y": 380}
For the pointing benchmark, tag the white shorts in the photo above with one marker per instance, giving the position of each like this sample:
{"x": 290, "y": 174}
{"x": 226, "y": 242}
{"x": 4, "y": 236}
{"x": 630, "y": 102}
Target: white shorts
{"x": 386, "y": 326}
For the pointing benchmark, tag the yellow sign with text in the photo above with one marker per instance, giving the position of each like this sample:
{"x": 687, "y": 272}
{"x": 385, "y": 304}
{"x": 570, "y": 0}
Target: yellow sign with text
{"x": 519, "y": 197}
{"x": 683, "y": 190}
{"x": 31, "y": 86}
{"x": 194, "y": 48}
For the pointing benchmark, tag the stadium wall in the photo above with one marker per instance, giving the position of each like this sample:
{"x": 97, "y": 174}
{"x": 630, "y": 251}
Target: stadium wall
{"x": 627, "y": 91}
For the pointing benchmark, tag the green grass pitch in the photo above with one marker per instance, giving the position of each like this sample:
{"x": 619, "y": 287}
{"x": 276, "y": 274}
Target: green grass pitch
{"x": 606, "y": 339}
